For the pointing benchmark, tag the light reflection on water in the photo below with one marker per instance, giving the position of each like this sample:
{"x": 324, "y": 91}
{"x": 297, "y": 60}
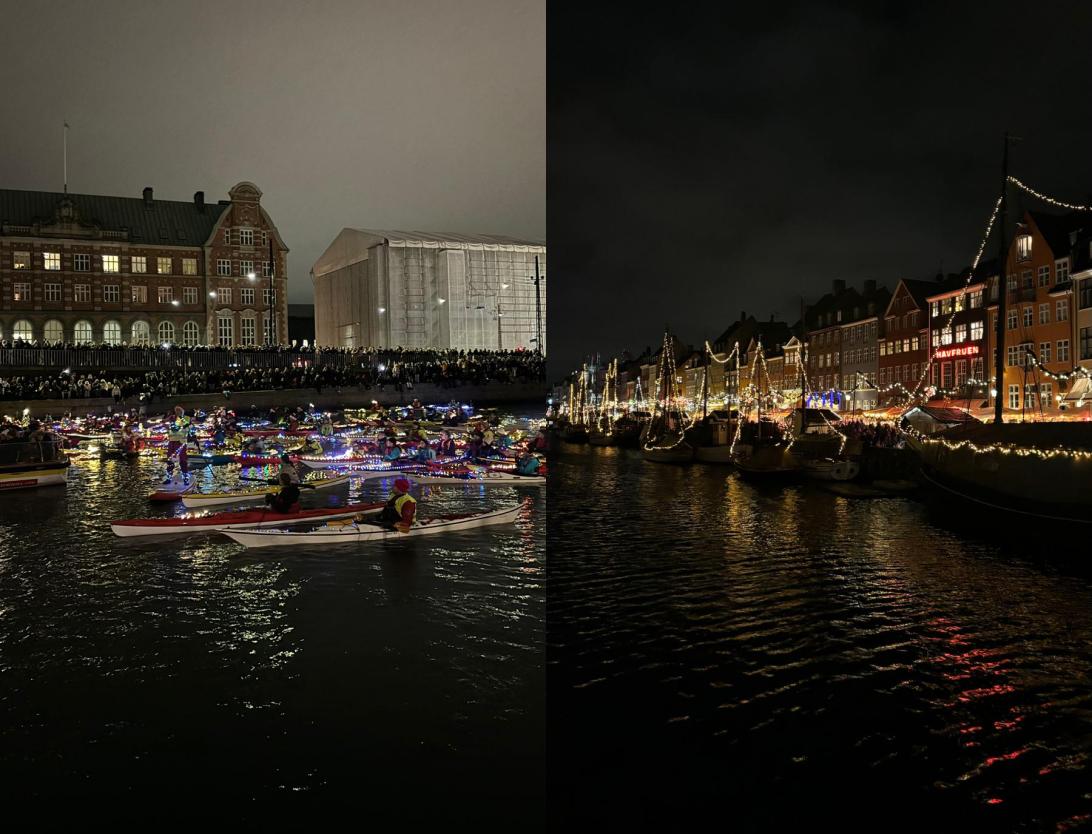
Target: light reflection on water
{"x": 410, "y": 653}
{"x": 798, "y": 657}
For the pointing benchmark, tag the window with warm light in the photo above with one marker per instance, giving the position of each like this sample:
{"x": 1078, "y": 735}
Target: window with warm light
{"x": 191, "y": 333}
{"x": 141, "y": 333}
{"x": 82, "y": 332}
{"x": 166, "y": 332}
{"x": 189, "y": 266}
{"x": 111, "y": 333}
{"x": 20, "y": 260}
{"x": 111, "y": 263}
{"x": 23, "y": 330}
{"x": 1023, "y": 247}
{"x": 22, "y": 291}
{"x": 163, "y": 266}
{"x": 138, "y": 264}
{"x": 51, "y": 260}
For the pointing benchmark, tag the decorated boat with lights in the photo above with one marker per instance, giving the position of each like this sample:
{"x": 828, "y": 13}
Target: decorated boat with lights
{"x": 211, "y": 499}
{"x": 235, "y": 520}
{"x": 359, "y": 533}
{"x": 32, "y": 464}
{"x": 664, "y": 437}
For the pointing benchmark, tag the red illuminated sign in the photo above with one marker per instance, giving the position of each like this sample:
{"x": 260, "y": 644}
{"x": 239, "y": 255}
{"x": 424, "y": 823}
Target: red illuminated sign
{"x": 948, "y": 353}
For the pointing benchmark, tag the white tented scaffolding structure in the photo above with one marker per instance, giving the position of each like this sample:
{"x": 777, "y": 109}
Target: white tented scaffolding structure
{"x": 424, "y": 290}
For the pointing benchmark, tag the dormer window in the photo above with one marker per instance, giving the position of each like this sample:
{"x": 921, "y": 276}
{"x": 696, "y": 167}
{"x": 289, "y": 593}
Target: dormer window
{"x": 1023, "y": 247}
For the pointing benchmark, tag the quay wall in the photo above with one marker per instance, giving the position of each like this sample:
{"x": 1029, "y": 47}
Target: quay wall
{"x": 330, "y": 398}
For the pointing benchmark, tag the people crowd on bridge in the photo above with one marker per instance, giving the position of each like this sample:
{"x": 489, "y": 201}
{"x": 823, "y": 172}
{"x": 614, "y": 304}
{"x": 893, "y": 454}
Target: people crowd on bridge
{"x": 375, "y": 369}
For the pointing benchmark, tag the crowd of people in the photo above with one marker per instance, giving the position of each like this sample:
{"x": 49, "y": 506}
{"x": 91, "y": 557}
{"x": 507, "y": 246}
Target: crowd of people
{"x": 398, "y": 369}
{"x": 872, "y": 433}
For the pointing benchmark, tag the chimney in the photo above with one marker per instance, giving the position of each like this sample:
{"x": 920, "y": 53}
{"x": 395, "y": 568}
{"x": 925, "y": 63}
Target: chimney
{"x": 839, "y": 286}
{"x": 199, "y": 200}
{"x": 870, "y": 286}
{"x": 148, "y": 197}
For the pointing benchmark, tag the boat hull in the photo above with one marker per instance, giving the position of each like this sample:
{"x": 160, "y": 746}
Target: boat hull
{"x": 31, "y": 476}
{"x": 357, "y": 534}
{"x": 713, "y": 454}
{"x": 213, "y": 499}
{"x": 241, "y": 520}
{"x": 681, "y": 453}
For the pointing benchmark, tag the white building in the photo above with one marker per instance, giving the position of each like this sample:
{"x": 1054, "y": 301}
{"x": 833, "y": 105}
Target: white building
{"x": 424, "y": 290}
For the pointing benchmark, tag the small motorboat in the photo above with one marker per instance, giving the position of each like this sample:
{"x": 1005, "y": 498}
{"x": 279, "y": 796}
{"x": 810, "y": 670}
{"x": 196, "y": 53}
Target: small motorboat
{"x": 364, "y": 532}
{"x": 211, "y": 499}
{"x": 237, "y": 520}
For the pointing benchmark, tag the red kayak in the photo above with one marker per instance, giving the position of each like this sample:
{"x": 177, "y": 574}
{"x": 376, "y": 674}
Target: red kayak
{"x": 170, "y": 493}
{"x": 240, "y": 520}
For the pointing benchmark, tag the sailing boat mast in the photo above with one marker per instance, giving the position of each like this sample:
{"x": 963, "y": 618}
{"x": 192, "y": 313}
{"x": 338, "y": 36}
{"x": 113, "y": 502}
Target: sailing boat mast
{"x": 1002, "y": 292}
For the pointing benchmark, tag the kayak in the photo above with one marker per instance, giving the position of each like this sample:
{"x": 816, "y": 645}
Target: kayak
{"x": 352, "y": 460}
{"x": 210, "y": 499}
{"x": 354, "y": 533}
{"x": 237, "y": 520}
{"x": 257, "y": 460}
{"x": 491, "y": 478}
{"x": 170, "y": 492}
{"x": 211, "y": 460}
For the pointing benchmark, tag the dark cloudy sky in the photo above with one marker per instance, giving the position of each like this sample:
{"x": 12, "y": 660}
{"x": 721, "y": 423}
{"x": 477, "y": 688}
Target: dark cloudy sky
{"x": 703, "y": 163}
{"x": 426, "y": 114}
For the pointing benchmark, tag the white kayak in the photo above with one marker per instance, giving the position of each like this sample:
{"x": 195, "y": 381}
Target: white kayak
{"x": 487, "y": 478}
{"x": 354, "y": 533}
{"x": 212, "y": 499}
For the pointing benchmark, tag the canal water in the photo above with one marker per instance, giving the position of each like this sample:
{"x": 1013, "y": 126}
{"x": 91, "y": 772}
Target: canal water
{"x": 783, "y": 659}
{"x": 156, "y": 679}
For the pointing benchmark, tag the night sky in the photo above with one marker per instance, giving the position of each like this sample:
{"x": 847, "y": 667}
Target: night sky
{"x": 426, "y": 115}
{"x": 707, "y": 163}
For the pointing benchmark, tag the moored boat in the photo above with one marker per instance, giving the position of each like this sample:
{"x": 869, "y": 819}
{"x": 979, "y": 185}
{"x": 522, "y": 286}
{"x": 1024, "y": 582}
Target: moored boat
{"x": 359, "y": 533}
{"x": 32, "y": 464}
{"x": 237, "y": 520}
{"x": 681, "y": 452}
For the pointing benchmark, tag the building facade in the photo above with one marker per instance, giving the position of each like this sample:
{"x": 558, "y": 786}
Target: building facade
{"x": 423, "y": 290}
{"x": 904, "y": 348}
{"x": 78, "y": 268}
{"x": 1039, "y": 322}
{"x": 959, "y": 339}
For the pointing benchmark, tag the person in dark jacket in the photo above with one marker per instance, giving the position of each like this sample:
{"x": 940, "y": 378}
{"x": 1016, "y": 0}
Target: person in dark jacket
{"x": 288, "y": 499}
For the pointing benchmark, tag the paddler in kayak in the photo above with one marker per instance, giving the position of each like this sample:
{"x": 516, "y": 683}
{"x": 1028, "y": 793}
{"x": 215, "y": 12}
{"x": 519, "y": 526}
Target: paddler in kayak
{"x": 447, "y": 445}
{"x": 288, "y": 499}
{"x": 177, "y": 436}
{"x": 327, "y": 427}
{"x": 528, "y": 464}
{"x": 288, "y": 468}
{"x": 401, "y": 509}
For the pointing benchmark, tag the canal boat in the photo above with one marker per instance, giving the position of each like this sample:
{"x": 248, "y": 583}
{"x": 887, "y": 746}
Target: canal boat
{"x": 234, "y": 520}
{"x": 364, "y": 532}
{"x": 211, "y": 499}
{"x": 32, "y": 464}
{"x": 1041, "y": 470}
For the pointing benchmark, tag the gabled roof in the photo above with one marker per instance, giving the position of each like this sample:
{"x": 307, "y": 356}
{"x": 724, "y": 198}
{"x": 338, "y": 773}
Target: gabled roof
{"x": 1055, "y": 228}
{"x": 163, "y": 222}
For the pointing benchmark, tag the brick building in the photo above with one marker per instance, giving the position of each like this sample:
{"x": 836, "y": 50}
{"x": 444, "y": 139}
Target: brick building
{"x": 904, "y": 348}
{"x": 81, "y": 268}
{"x": 959, "y": 335}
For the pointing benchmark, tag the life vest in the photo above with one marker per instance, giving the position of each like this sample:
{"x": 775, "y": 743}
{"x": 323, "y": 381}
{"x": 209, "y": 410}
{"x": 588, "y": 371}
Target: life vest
{"x": 397, "y": 502}
{"x": 179, "y": 430}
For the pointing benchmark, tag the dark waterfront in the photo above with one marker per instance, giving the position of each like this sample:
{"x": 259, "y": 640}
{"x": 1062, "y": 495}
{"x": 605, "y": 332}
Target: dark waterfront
{"x": 401, "y": 681}
{"x": 781, "y": 658}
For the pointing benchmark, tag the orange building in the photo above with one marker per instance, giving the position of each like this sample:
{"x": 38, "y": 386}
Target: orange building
{"x": 1039, "y": 313}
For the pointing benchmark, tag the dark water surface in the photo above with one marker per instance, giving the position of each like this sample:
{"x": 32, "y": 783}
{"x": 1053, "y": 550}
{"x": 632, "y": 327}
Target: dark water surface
{"x": 402, "y": 680}
{"x": 773, "y": 659}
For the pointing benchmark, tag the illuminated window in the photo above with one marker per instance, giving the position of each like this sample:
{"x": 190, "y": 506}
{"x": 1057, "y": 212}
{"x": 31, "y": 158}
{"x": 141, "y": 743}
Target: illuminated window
{"x": 166, "y": 332}
{"x": 247, "y": 330}
{"x": 51, "y": 260}
{"x": 139, "y": 263}
{"x": 141, "y": 333}
{"x": 111, "y": 333}
{"x": 163, "y": 266}
{"x": 111, "y": 263}
{"x": 225, "y": 330}
{"x": 1023, "y": 247}
{"x": 189, "y": 295}
{"x": 191, "y": 333}
{"x": 946, "y": 336}
{"x": 1014, "y": 396}
{"x": 53, "y": 331}
{"x": 977, "y": 329}
{"x": 81, "y": 292}
{"x": 166, "y": 295}
{"x": 52, "y": 292}
{"x": 20, "y": 260}
{"x": 961, "y": 333}
{"x": 23, "y": 330}
{"x": 189, "y": 266}
{"x": 82, "y": 332}
{"x": 140, "y": 295}
{"x": 958, "y": 302}
{"x": 975, "y": 299}
{"x": 111, "y": 293}
{"x": 22, "y": 292}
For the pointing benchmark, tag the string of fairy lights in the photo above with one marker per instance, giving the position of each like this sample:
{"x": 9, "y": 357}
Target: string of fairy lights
{"x": 669, "y": 400}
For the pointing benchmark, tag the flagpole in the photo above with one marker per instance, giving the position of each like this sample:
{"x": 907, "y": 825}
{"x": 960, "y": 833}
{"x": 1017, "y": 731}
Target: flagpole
{"x": 66, "y": 157}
